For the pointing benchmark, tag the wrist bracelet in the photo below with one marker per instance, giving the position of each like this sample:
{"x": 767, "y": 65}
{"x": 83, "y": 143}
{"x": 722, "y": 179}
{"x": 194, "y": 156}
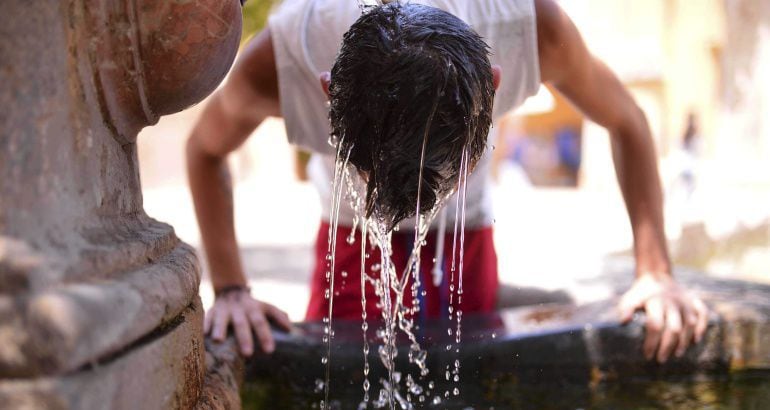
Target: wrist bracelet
{"x": 230, "y": 289}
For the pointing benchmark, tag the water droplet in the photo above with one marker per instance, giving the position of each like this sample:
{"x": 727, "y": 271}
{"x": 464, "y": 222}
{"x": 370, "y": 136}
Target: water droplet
{"x": 319, "y": 385}
{"x": 456, "y": 378}
{"x": 324, "y": 360}
{"x": 344, "y": 274}
{"x": 436, "y": 400}
{"x": 351, "y": 239}
{"x": 456, "y": 391}
{"x": 415, "y": 389}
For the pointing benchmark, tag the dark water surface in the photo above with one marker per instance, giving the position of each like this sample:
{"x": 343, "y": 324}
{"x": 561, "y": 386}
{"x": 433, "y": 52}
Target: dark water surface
{"x": 737, "y": 392}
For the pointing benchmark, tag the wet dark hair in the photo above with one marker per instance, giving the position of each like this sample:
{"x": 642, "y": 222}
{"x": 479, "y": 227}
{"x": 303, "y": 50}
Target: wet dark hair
{"x": 406, "y": 72}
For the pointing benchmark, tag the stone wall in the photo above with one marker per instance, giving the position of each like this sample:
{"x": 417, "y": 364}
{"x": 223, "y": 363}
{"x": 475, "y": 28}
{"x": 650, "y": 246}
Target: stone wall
{"x": 99, "y": 303}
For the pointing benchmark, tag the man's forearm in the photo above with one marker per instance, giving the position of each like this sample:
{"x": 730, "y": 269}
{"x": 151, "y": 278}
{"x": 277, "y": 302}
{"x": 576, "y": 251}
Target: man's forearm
{"x": 212, "y": 193}
{"x": 637, "y": 171}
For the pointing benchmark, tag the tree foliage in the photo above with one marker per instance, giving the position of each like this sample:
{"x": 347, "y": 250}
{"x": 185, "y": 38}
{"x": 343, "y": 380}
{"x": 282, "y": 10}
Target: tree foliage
{"x": 255, "y": 14}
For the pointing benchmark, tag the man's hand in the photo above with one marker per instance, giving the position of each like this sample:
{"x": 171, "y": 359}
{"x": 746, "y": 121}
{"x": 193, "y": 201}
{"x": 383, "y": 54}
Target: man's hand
{"x": 245, "y": 313}
{"x": 675, "y": 318}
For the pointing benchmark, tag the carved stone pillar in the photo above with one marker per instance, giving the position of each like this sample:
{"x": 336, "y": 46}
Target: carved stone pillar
{"x": 99, "y": 303}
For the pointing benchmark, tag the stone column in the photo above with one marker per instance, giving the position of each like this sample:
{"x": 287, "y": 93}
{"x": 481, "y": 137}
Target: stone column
{"x": 99, "y": 303}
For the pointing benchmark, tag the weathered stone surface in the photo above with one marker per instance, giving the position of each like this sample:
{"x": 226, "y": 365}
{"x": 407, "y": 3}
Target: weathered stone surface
{"x": 93, "y": 319}
{"x": 98, "y": 302}
{"x": 224, "y": 376}
{"x": 161, "y": 371}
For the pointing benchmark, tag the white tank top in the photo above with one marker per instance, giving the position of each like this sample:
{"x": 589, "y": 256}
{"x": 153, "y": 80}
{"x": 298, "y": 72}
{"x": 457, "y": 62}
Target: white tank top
{"x": 306, "y": 38}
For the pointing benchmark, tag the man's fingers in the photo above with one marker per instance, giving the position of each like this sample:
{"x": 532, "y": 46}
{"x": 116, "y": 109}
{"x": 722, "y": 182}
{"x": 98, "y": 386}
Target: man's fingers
{"x": 703, "y": 319}
{"x": 688, "y": 329}
{"x": 628, "y": 305}
{"x": 626, "y": 311}
{"x": 671, "y": 334}
{"x": 220, "y": 321}
{"x": 654, "y": 326}
{"x": 278, "y": 316}
{"x": 261, "y": 327}
{"x": 243, "y": 332}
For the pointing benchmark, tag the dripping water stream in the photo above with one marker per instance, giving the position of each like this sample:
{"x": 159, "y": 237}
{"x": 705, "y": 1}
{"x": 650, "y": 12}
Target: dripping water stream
{"x": 337, "y": 188}
{"x": 390, "y": 289}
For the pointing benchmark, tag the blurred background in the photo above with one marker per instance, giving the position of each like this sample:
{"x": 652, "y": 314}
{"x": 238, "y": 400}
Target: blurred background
{"x": 698, "y": 68}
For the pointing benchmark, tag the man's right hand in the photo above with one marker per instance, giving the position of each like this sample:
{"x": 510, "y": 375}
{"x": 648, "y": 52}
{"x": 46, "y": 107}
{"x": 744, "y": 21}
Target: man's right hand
{"x": 245, "y": 313}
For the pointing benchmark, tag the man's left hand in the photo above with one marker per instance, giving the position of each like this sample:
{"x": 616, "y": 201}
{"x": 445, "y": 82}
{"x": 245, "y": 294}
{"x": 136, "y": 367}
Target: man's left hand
{"x": 675, "y": 317}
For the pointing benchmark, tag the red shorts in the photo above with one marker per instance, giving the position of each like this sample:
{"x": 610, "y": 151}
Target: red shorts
{"x": 480, "y": 282}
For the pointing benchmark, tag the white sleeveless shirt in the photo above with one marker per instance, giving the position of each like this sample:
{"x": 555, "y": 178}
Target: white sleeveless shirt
{"x": 306, "y": 37}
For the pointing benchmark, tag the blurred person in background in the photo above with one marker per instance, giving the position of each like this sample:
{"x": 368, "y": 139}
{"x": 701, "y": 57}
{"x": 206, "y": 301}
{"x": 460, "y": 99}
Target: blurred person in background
{"x": 689, "y": 155}
{"x": 682, "y": 207}
{"x": 531, "y": 42}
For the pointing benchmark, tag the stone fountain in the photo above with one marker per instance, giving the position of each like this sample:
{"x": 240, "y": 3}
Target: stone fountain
{"x": 99, "y": 303}
{"x": 553, "y": 355}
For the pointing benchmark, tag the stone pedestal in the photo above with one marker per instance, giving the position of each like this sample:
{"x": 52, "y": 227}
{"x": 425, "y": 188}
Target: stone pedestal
{"x": 98, "y": 302}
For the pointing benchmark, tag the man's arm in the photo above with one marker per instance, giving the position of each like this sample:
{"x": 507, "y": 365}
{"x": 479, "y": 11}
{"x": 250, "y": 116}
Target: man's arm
{"x": 249, "y": 96}
{"x": 673, "y": 317}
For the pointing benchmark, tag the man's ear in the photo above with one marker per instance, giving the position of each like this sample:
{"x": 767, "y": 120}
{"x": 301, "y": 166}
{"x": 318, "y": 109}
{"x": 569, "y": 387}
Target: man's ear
{"x": 497, "y": 74}
{"x": 325, "y": 79}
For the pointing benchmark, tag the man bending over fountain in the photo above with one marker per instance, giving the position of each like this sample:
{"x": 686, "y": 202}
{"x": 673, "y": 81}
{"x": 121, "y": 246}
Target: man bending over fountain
{"x": 408, "y": 74}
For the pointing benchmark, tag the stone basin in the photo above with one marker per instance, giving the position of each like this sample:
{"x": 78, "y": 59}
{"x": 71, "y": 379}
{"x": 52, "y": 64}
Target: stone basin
{"x": 543, "y": 356}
